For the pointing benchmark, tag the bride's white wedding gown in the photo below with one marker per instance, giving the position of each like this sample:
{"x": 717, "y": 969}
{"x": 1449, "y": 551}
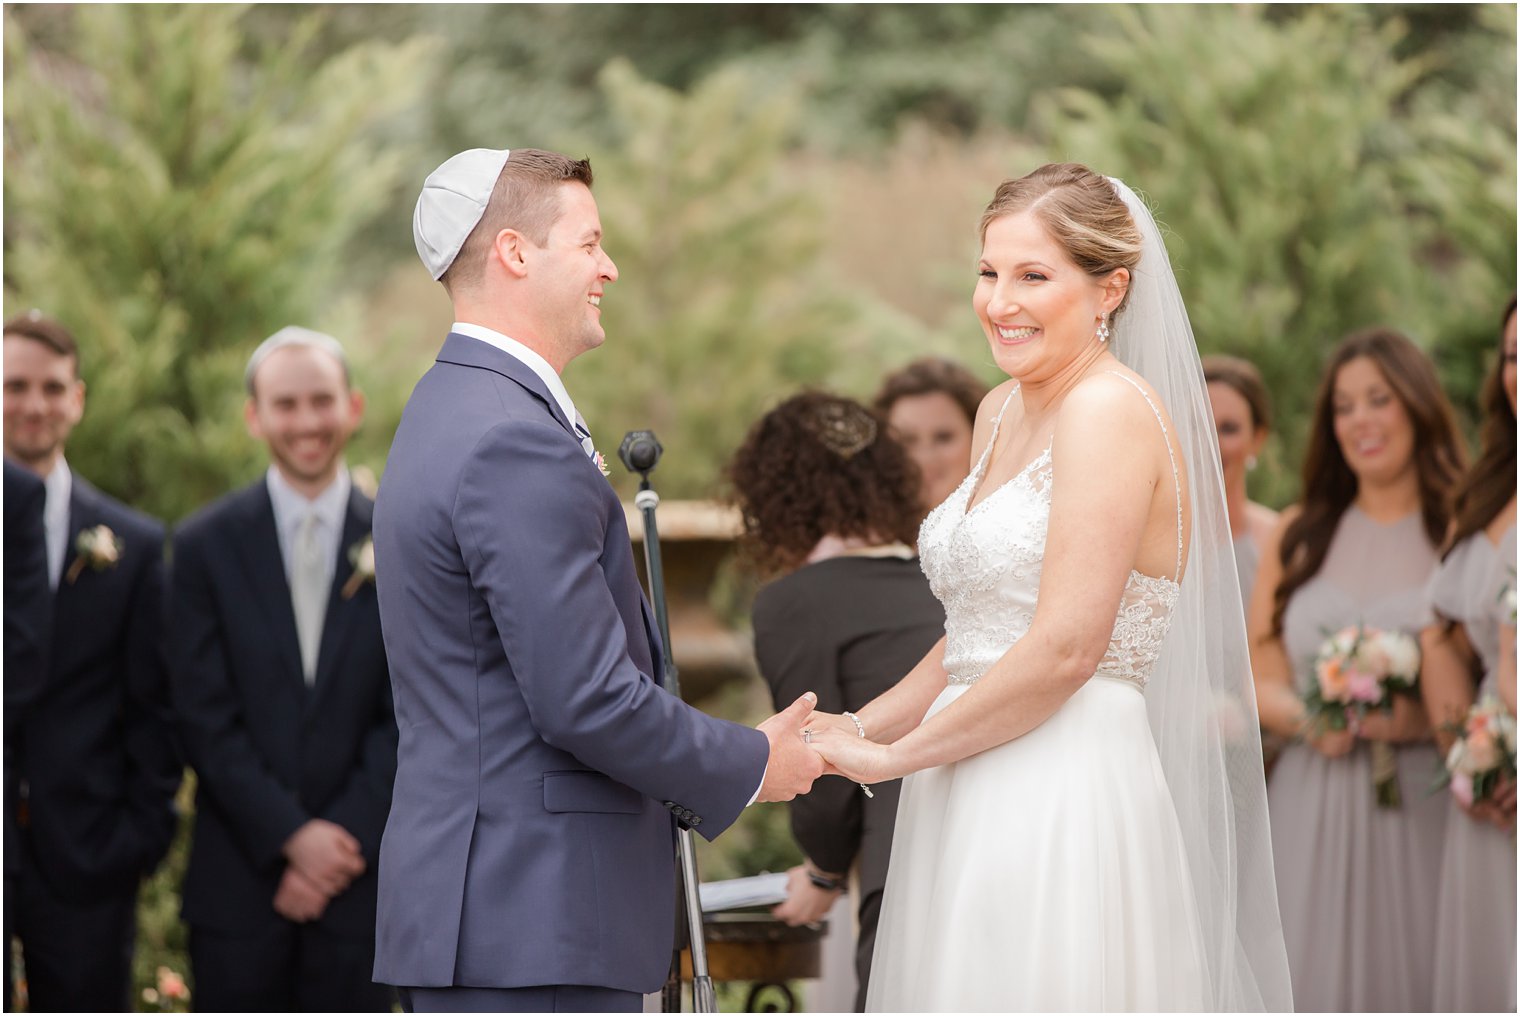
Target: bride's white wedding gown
{"x": 1047, "y": 873}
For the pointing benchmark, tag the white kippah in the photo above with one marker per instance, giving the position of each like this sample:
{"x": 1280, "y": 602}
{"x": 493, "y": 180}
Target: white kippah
{"x": 453, "y": 199}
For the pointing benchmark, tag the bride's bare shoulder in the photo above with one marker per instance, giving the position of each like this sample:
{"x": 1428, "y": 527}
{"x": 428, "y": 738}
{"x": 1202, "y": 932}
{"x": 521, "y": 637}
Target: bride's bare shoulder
{"x": 1108, "y": 401}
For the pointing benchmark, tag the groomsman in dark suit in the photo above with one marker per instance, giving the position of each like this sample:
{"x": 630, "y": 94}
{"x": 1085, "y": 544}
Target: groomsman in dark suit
{"x": 28, "y": 628}
{"x": 95, "y": 755}
{"x": 284, "y": 699}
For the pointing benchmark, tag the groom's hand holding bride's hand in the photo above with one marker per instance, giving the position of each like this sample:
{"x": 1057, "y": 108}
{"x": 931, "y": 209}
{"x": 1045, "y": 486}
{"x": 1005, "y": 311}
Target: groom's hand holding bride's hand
{"x": 792, "y": 766}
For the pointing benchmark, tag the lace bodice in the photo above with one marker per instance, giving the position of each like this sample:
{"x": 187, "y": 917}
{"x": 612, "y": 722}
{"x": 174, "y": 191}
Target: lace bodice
{"x": 985, "y": 566}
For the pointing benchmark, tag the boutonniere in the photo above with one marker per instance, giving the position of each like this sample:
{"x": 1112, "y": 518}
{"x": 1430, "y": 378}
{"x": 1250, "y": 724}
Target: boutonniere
{"x": 97, "y": 548}
{"x": 601, "y": 463}
{"x": 362, "y": 556}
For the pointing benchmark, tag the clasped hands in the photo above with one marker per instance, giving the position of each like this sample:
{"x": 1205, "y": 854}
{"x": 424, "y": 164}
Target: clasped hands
{"x": 1405, "y": 722}
{"x": 323, "y": 859}
{"x": 806, "y": 744}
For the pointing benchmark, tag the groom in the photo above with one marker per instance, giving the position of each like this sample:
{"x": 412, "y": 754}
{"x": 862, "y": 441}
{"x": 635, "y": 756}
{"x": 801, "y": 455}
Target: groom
{"x": 528, "y": 862}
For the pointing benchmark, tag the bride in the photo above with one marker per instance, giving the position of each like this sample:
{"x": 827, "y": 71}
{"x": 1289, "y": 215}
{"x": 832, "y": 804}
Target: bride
{"x": 1085, "y": 824}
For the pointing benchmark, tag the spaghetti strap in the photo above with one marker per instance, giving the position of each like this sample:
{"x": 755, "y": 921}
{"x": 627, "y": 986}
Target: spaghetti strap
{"x": 997, "y": 421}
{"x": 1176, "y": 476}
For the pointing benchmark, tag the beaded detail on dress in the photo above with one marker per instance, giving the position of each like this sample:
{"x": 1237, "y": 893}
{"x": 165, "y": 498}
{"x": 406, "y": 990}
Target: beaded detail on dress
{"x": 985, "y": 566}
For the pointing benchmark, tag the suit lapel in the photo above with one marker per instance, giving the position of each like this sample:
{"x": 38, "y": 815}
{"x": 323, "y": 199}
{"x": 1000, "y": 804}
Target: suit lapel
{"x": 465, "y": 351}
{"x": 84, "y": 513}
{"x": 259, "y": 549}
{"x": 341, "y": 610}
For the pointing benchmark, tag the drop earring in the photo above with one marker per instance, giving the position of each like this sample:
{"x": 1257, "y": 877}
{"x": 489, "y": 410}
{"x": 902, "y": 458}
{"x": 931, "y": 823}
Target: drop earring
{"x": 1103, "y": 328}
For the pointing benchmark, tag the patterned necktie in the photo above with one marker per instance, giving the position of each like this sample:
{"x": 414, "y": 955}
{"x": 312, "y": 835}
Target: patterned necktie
{"x": 308, "y": 595}
{"x": 582, "y": 432}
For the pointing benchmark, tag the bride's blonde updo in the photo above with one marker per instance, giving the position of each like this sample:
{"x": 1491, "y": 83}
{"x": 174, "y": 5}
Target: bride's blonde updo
{"x": 1081, "y": 210}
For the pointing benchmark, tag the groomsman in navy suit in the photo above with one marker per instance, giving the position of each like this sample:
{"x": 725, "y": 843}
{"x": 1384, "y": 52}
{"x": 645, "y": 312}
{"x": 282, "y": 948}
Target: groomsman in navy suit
{"x": 285, "y": 706}
{"x": 528, "y": 862}
{"x": 95, "y": 756}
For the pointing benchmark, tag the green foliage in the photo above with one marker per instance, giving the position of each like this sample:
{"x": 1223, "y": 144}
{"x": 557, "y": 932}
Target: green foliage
{"x": 1307, "y": 184}
{"x": 719, "y": 311}
{"x": 163, "y": 944}
{"x": 173, "y": 201}
{"x": 1463, "y": 182}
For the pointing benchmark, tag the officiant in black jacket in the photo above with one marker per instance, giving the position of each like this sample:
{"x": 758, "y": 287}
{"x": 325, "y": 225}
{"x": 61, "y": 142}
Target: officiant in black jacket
{"x": 281, "y": 685}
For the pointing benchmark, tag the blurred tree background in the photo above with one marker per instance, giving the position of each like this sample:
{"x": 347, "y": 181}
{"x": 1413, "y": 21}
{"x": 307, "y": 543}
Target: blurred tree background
{"x": 790, "y": 192}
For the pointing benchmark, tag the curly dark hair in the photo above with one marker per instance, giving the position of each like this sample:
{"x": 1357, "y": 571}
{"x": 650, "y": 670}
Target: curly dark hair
{"x": 820, "y": 464}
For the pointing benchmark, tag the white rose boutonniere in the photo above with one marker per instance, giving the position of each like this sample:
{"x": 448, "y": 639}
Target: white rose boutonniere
{"x": 97, "y": 549}
{"x": 601, "y": 463}
{"x": 362, "y": 556}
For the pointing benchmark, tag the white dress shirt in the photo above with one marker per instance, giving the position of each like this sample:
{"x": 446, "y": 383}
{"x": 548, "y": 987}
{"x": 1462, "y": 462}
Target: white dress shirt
{"x": 291, "y": 507}
{"x": 59, "y": 487}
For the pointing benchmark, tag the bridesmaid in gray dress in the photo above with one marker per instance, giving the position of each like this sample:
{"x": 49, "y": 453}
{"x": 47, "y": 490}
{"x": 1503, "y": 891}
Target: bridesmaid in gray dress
{"x": 1243, "y": 421}
{"x": 1356, "y": 882}
{"x": 1475, "y": 924}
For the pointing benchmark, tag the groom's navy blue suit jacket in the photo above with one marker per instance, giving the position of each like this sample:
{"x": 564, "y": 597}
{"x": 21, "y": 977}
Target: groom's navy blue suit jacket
{"x": 531, "y": 835}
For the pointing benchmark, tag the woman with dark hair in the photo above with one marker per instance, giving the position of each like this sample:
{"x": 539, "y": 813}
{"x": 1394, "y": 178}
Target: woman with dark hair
{"x": 931, "y": 407}
{"x": 830, "y": 508}
{"x": 1357, "y": 879}
{"x": 1475, "y": 924}
{"x": 1242, "y": 419}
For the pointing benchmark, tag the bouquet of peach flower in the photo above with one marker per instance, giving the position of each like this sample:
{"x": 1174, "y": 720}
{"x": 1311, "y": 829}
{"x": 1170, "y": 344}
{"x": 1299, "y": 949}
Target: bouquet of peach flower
{"x": 1357, "y": 671}
{"x": 1483, "y": 756}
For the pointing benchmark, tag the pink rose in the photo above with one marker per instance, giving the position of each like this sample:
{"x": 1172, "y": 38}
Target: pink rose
{"x": 1462, "y": 788}
{"x": 171, "y": 984}
{"x": 1363, "y": 687}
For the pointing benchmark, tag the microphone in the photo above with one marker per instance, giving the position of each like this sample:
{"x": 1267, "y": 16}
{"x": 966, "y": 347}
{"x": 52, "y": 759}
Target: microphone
{"x": 640, "y": 452}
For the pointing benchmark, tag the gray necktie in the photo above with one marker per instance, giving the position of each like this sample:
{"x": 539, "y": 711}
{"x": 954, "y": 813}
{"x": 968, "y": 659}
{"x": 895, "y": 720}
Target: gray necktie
{"x": 308, "y": 594}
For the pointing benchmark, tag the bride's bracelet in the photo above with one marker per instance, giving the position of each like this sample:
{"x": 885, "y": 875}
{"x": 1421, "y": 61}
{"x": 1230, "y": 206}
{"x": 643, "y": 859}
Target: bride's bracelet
{"x": 860, "y": 728}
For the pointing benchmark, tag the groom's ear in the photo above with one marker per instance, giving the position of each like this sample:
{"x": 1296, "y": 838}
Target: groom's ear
{"x": 509, "y": 251}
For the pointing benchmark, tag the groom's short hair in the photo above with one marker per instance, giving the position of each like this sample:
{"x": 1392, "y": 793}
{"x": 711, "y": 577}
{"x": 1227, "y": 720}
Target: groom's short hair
{"x": 525, "y": 198}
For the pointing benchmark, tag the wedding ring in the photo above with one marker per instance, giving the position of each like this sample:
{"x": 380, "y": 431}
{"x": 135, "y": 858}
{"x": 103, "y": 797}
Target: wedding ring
{"x": 807, "y": 735}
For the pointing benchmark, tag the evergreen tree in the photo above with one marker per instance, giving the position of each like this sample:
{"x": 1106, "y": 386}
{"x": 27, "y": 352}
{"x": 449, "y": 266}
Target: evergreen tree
{"x": 719, "y": 312}
{"x": 1297, "y": 178}
{"x": 174, "y": 198}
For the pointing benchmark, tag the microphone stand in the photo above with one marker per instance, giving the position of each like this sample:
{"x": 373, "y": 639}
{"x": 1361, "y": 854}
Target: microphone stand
{"x": 640, "y": 452}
